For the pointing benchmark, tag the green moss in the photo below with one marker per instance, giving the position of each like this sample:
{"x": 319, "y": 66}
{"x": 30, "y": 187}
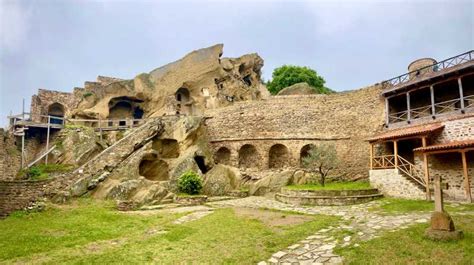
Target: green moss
{"x": 43, "y": 171}
{"x": 87, "y": 94}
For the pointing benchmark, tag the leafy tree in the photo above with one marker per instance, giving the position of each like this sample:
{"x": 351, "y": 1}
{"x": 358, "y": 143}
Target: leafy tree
{"x": 288, "y": 75}
{"x": 321, "y": 159}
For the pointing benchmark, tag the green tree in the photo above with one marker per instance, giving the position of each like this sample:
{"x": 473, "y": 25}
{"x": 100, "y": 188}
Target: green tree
{"x": 288, "y": 75}
{"x": 321, "y": 159}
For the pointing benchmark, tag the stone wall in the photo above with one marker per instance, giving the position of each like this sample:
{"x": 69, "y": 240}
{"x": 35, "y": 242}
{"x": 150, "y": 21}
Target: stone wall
{"x": 457, "y": 130}
{"x": 45, "y": 98}
{"x": 391, "y": 183}
{"x": 449, "y": 168}
{"x": 10, "y": 156}
{"x": 16, "y": 195}
{"x": 345, "y": 119}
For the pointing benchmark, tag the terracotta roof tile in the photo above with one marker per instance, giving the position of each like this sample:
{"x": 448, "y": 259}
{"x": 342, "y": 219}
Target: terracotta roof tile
{"x": 406, "y": 132}
{"x": 447, "y": 146}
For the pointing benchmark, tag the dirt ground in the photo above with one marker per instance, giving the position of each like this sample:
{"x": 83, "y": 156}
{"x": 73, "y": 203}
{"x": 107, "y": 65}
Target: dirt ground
{"x": 272, "y": 218}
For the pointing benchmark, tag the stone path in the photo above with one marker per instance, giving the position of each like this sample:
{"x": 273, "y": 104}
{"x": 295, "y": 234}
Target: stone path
{"x": 358, "y": 224}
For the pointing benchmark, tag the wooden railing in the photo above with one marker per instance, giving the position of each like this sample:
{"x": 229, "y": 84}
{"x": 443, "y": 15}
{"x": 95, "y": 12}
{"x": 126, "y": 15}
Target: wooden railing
{"x": 383, "y": 162}
{"x": 407, "y": 168}
{"x": 448, "y": 106}
{"x": 411, "y": 170}
{"x": 108, "y": 124}
{"x": 445, "y": 64}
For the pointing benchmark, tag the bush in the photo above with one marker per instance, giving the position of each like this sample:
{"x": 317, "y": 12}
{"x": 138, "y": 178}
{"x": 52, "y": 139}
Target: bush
{"x": 34, "y": 173}
{"x": 190, "y": 183}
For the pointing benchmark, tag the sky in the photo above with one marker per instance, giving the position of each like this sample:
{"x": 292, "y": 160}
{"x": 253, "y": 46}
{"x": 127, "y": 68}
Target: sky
{"x": 60, "y": 44}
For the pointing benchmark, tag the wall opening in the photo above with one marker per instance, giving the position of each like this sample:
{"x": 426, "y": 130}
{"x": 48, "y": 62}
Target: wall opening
{"x": 222, "y": 156}
{"x": 248, "y": 156}
{"x": 56, "y": 110}
{"x": 166, "y": 148}
{"x": 305, "y": 152}
{"x": 125, "y": 108}
{"x": 153, "y": 169}
{"x": 201, "y": 162}
{"x": 183, "y": 99}
{"x": 279, "y": 156}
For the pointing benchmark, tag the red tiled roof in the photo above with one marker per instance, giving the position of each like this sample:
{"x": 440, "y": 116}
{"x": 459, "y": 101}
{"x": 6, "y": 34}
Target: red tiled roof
{"x": 406, "y": 132}
{"x": 447, "y": 146}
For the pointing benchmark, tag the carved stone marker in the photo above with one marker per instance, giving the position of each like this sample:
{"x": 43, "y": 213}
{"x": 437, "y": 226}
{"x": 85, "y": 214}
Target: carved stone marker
{"x": 442, "y": 225}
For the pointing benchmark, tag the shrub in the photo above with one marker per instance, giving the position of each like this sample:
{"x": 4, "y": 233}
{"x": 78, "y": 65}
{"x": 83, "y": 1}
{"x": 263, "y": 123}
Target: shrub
{"x": 190, "y": 183}
{"x": 34, "y": 173}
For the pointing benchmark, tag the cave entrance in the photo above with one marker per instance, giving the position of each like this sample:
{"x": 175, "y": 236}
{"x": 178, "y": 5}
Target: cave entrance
{"x": 56, "y": 110}
{"x": 154, "y": 169}
{"x": 123, "y": 108}
{"x": 166, "y": 148}
{"x": 201, "y": 162}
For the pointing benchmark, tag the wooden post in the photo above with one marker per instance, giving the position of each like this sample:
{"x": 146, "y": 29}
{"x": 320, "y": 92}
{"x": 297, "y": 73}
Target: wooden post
{"x": 408, "y": 108}
{"x": 395, "y": 153}
{"x": 387, "y": 114}
{"x": 100, "y": 129}
{"x": 426, "y": 171}
{"x": 467, "y": 182}
{"x": 461, "y": 94}
{"x": 433, "y": 109}
{"x": 47, "y": 140}
{"x": 23, "y": 149}
{"x": 439, "y": 207}
{"x": 371, "y": 156}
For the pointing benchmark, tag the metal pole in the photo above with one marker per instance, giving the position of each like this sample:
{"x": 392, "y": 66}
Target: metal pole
{"x": 47, "y": 140}
{"x": 23, "y": 110}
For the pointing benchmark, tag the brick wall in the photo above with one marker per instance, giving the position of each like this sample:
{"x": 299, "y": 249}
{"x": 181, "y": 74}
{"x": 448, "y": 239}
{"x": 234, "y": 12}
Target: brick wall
{"x": 44, "y": 98}
{"x": 346, "y": 119}
{"x": 16, "y": 195}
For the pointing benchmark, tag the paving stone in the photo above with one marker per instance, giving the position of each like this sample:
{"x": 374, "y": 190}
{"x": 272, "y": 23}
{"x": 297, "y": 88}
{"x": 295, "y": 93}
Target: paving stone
{"x": 279, "y": 254}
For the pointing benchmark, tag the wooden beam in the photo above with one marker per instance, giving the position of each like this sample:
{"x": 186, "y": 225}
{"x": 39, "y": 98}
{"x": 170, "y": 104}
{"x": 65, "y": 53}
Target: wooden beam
{"x": 461, "y": 94}
{"x": 433, "y": 109}
{"x": 395, "y": 153}
{"x": 467, "y": 183}
{"x": 458, "y": 150}
{"x": 371, "y": 156}
{"x": 387, "y": 113}
{"x": 408, "y": 108}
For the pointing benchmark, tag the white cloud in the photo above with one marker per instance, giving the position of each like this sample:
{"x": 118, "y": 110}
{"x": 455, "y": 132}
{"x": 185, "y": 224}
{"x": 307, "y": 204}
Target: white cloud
{"x": 14, "y": 25}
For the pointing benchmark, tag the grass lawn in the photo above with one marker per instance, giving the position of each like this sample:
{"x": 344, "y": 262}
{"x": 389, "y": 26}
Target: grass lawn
{"x": 409, "y": 247}
{"x": 93, "y": 232}
{"x": 357, "y": 185}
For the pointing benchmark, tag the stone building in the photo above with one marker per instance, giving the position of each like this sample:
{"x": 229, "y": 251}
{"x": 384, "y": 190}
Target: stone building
{"x": 429, "y": 130}
{"x": 213, "y": 115}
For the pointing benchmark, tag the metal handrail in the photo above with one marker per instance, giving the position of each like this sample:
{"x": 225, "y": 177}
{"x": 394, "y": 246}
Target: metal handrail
{"x": 445, "y": 64}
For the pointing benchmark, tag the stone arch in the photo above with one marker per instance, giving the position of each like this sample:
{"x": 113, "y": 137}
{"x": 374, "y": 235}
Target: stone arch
{"x": 56, "y": 110}
{"x": 305, "y": 152}
{"x": 222, "y": 156}
{"x": 278, "y": 156}
{"x": 183, "y": 99}
{"x": 153, "y": 168}
{"x": 248, "y": 156}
